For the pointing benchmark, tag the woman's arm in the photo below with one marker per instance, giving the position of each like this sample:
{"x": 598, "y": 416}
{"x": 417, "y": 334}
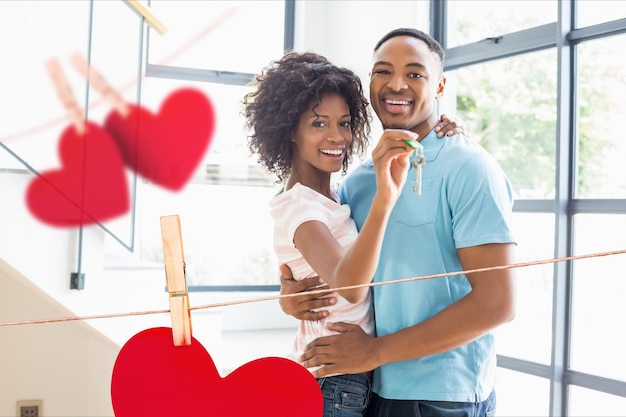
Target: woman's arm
{"x": 449, "y": 127}
{"x": 339, "y": 267}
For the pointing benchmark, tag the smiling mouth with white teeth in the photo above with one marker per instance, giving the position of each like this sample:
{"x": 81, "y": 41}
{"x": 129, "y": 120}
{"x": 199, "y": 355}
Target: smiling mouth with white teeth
{"x": 397, "y": 102}
{"x": 334, "y": 152}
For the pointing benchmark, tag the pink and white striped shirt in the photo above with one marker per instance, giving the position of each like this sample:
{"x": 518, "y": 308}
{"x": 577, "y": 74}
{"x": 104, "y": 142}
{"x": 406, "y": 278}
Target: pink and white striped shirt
{"x": 289, "y": 210}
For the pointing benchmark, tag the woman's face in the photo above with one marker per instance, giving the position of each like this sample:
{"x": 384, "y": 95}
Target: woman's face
{"x": 323, "y": 135}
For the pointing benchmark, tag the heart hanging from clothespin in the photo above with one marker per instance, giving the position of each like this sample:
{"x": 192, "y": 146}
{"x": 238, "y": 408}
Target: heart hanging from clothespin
{"x": 152, "y": 377}
{"x": 90, "y": 186}
{"x": 166, "y": 147}
{"x": 162, "y": 372}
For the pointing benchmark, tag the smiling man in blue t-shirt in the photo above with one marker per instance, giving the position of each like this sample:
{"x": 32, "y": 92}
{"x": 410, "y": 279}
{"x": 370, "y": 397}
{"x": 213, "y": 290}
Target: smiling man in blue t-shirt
{"x": 434, "y": 351}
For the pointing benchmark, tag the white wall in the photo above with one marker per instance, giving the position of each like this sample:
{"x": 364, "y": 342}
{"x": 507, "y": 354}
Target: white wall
{"x": 345, "y": 31}
{"x": 67, "y": 365}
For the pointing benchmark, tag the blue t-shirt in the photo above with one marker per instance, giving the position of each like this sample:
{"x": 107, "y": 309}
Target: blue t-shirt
{"x": 466, "y": 201}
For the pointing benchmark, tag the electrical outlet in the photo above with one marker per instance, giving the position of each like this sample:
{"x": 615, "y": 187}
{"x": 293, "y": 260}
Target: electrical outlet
{"x": 29, "y": 411}
{"x": 29, "y": 408}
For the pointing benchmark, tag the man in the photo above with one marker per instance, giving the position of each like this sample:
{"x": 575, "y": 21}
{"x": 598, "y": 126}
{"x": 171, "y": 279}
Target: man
{"x": 434, "y": 352}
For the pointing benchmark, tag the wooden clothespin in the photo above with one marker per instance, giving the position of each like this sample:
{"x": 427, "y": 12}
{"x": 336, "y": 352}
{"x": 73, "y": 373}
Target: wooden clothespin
{"x": 99, "y": 83}
{"x": 64, "y": 92}
{"x": 176, "y": 280}
{"x": 150, "y": 18}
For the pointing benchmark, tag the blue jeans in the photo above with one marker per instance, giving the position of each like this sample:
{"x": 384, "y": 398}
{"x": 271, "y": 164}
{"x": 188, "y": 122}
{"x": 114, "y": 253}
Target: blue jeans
{"x": 345, "y": 395}
{"x": 381, "y": 407}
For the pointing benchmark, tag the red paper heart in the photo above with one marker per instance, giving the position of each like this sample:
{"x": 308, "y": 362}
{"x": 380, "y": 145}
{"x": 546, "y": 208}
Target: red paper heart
{"x": 152, "y": 377}
{"x": 91, "y": 187}
{"x": 167, "y": 148}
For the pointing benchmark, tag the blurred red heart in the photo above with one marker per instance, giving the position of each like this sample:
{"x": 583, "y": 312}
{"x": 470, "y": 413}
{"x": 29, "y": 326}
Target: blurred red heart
{"x": 152, "y": 377}
{"x": 165, "y": 148}
{"x": 90, "y": 187}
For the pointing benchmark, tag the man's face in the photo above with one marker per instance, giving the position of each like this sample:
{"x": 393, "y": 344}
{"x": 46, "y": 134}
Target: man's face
{"x": 405, "y": 82}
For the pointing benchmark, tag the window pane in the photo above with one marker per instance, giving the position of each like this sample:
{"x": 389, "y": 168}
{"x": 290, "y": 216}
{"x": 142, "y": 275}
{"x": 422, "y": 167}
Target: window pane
{"x": 473, "y": 21}
{"x": 533, "y": 321}
{"x": 601, "y": 91}
{"x": 521, "y": 394}
{"x": 33, "y": 115}
{"x": 599, "y": 289}
{"x": 226, "y": 229}
{"x": 509, "y": 107}
{"x": 218, "y": 35}
{"x": 586, "y": 402}
{"x": 591, "y": 12}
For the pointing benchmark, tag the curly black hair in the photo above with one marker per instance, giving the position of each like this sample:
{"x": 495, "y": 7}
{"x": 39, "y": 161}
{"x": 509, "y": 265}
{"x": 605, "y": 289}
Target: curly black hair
{"x": 284, "y": 91}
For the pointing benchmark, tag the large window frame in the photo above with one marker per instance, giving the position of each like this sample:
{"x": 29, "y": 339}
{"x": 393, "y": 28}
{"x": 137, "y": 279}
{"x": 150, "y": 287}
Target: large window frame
{"x": 563, "y": 35}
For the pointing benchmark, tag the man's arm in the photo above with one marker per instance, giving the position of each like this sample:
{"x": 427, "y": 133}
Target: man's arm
{"x": 302, "y": 306}
{"x": 489, "y": 304}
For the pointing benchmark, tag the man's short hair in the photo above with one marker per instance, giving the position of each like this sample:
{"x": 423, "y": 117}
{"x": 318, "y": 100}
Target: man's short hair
{"x": 431, "y": 42}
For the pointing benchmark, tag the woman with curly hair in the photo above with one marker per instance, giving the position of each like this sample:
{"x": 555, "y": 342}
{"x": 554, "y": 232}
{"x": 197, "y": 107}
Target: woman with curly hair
{"x": 307, "y": 118}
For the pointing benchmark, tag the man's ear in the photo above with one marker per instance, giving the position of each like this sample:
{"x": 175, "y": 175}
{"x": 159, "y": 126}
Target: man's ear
{"x": 441, "y": 87}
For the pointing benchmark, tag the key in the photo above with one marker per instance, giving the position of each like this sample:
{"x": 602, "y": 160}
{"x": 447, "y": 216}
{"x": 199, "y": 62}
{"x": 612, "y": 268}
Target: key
{"x": 419, "y": 160}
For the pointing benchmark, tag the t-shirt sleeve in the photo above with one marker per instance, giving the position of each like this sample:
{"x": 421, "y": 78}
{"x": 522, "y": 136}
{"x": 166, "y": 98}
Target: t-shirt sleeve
{"x": 481, "y": 203}
{"x": 297, "y": 206}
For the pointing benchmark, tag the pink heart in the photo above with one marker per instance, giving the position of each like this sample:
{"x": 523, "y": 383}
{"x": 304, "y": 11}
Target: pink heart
{"x": 91, "y": 187}
{"x": 165, "y": 148}
{"x": 152, "y": 377}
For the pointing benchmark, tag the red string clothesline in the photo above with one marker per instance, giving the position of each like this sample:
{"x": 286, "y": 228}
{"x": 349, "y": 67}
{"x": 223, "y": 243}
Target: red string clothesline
{"x": 313, "y": 292}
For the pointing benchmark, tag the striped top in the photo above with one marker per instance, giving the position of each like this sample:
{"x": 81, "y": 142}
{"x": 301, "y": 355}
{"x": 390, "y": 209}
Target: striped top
{"x": 289, "y": 210}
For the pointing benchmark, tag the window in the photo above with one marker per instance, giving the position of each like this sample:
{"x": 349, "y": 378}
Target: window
{"x": 509, "y": 106}
{"x": 602, "y": 88}
{"x": 543, "y": 106}
{"x": 224, "y": 211}
{"x": 586, "y": 402}
{"x": 476, "y": 21}
{"x": 30, "y": 127}
{"x": 232, "y": 36}
{"x": 215, "y": 47}
{"x": 533, "y": 320}
{"x": 598, "y": 297}
{"x": 536, "y": 398}
{"x": 593, "y": 12}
